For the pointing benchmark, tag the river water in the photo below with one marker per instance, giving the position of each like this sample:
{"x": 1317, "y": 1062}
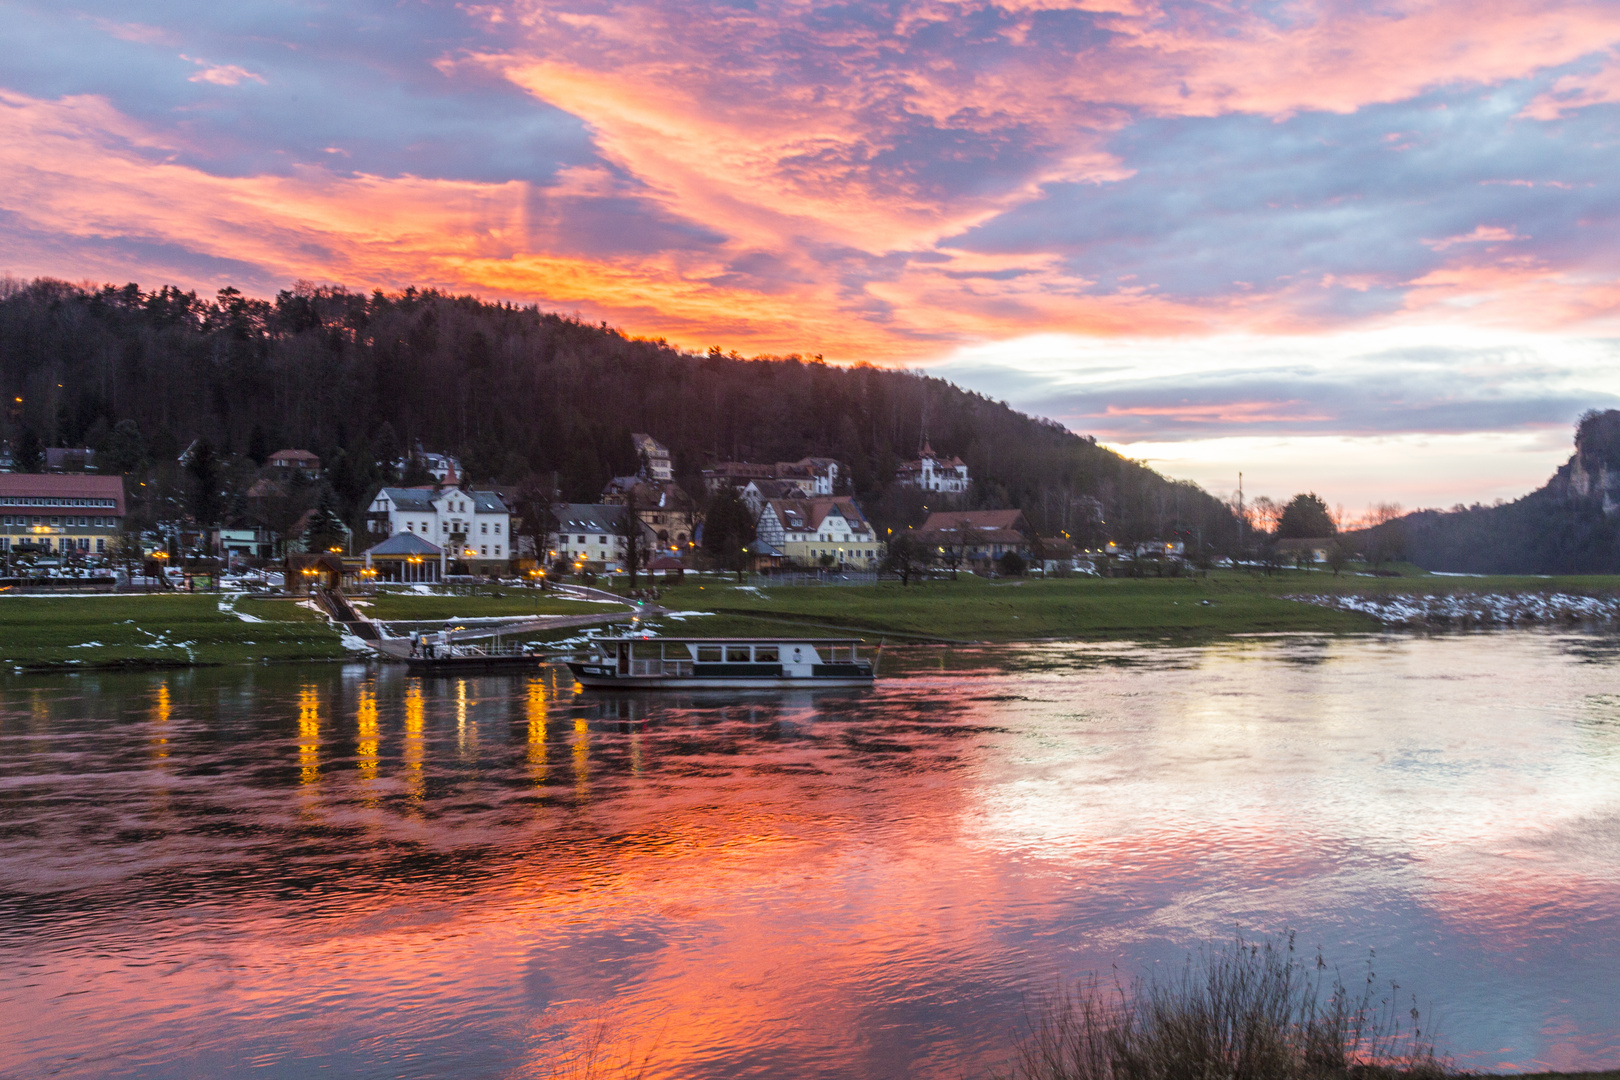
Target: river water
{"x": 285, "y": 871}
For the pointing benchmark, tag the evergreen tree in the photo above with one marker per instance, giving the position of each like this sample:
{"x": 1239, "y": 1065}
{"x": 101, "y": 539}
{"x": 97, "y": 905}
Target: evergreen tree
{"x": 728, "y": 529}
{"x": 1305, "y": 517}
{"x": 29, "y": 454}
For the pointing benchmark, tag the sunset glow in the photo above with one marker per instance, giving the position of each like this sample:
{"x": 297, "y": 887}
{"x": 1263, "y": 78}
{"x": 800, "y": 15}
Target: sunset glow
{"x": 924, "y": 183}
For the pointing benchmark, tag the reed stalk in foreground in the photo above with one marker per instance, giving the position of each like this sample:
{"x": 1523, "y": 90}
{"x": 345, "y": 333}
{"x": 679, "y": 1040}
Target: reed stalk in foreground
{"x": 1247, "y": 1011}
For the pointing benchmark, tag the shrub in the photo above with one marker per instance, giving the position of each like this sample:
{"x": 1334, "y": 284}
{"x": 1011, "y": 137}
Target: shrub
{"x": 1245, "y": 1012}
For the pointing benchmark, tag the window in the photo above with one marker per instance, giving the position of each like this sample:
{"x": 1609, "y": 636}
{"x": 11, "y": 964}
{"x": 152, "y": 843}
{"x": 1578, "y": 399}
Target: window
{"x": 709, "y": 654}
{"x": 737, "y": 654}
{"x": 445, "y": 528}
{"x": 766, "y": 654}
{"x": 483, "y": 527}
{"x": 497, "y": 549}
{"x": 408, "y": 527}
{"x": 497, "y": 528}
{"x": 581, "y": 540}
{"x": 601, "y": 539}
{"x": 483, "y": 549}
{"x": 101, "y": 545}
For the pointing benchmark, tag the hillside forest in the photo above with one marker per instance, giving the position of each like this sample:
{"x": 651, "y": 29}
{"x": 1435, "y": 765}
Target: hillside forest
{"x": 519, "y": 395}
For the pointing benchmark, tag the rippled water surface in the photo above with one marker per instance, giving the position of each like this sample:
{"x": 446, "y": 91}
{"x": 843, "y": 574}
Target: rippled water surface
{"x": 283, "y": 871}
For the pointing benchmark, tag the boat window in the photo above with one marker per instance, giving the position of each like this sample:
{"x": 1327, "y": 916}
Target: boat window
{"x": 737, "y": 654}
{"x": 680, "y": 651}
{"x": 766, "y": 654}
{"x": 709, "y": 654}
{"x": 645, "y": 650}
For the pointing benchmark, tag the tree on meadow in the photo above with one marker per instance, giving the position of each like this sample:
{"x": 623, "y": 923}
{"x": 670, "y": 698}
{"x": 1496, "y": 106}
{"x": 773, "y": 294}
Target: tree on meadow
{"x": 1305, "y": 517}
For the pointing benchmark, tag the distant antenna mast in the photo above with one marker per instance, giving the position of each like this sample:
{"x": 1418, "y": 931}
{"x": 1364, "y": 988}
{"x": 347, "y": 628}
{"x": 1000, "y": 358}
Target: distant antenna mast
{"x": 1241, "y": 515}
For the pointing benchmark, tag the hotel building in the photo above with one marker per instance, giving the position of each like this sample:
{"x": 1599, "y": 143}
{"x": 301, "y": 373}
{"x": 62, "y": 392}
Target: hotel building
{"x": 60, "y": 513}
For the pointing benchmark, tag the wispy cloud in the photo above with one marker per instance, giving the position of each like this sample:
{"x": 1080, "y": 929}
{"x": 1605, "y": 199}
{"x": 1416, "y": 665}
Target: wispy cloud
{"x": 889, "y": 181}
{"x": 221, "y": 74}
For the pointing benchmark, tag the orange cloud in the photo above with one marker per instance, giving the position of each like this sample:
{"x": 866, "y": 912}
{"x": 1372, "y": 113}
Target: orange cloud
{"x": 844, "y": 153}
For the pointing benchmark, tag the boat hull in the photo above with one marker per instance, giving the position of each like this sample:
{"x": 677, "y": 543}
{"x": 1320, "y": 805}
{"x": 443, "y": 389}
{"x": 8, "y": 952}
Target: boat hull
{"x": 457, "y": 665}
{"x": 602, "y": 677}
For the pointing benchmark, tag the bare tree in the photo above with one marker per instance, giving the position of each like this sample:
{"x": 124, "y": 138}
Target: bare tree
{"x": 634, "y": 537}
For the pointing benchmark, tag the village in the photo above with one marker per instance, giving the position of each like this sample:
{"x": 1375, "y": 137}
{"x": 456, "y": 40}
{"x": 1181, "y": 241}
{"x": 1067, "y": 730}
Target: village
{"x": 70, "y": 522}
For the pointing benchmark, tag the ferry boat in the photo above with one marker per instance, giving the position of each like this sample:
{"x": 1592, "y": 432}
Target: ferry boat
{"x": 447, "y": 659}
{"x": 668, "y": 663}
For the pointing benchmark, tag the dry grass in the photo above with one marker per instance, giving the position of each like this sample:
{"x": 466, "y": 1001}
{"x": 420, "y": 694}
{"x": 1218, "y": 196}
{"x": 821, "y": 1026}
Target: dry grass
{"x": 1248, "y": 1011}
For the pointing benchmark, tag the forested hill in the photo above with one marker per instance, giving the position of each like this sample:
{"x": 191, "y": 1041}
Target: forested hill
{"x": 514, "y": 391}
{"x": 1569, "y": 526}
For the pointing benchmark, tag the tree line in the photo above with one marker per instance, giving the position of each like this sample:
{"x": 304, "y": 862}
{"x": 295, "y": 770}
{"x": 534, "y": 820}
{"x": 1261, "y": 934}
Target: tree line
{"x": 519, "y": 393}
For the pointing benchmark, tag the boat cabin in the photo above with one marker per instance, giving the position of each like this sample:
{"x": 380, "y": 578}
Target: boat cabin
{"x": 721, "y": 661}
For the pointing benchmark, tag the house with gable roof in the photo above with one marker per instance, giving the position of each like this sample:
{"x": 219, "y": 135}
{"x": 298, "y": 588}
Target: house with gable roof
{"x": 981, "y": 536}
{"x": 808, "y": 531}
{"x": 468, "y": 526}
{"x": 930, "y": 472}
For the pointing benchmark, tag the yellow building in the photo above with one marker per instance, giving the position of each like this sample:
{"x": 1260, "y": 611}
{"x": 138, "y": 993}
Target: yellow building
{"x": 812, "y": 531}
{"x": 58, "y": 514}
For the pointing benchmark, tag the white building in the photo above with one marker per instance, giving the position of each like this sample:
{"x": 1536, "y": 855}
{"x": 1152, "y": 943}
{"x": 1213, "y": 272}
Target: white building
{"x": 808, "y": 531}
{"x": 657, "y": 455}
{"x": 445, "y": 468}
{"x": 812, "y": 476}
{"x": 473, "y": 527}
{"x": 594, "y": 533}
{"x": 930, "y": 472}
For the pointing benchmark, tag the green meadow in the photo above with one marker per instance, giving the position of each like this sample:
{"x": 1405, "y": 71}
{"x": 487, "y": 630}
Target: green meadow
{"x": 158, "y": 630}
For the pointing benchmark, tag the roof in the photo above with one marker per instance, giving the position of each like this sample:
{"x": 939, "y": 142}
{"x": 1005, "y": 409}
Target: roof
{"x": 488, "y": 502}
{"x": 404, "y": 544}
{"x": 777, "y": 489}
{"x": 590, "y": 517}
{"x": 665, "y": 562}
{"x": 411, "y": 498}
{"x": 806, "y": 515}
{"x": 70, "y": 486}
{"x": 650, "y": 494}
{"x": 739, "y": 469}
{"x": 950, "y": 520}
{"x": 294, "y": 455}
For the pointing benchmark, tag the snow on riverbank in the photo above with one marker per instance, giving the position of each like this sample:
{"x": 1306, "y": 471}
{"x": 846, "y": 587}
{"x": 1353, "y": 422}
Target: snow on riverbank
{"x": 1474, "y": 609}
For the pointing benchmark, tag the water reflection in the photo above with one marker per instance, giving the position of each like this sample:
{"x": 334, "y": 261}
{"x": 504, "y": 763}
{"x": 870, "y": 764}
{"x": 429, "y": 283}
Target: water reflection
{"x": 861, "y": 884}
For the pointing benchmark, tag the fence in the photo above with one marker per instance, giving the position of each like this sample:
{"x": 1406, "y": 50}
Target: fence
{"x": 829, "y": 578}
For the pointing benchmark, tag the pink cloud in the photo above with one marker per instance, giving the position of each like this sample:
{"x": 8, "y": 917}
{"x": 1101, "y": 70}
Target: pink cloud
{"x": 1572, "y": 92}
{"x": 221, "y": 74}
{"x": 1482, "y": 234}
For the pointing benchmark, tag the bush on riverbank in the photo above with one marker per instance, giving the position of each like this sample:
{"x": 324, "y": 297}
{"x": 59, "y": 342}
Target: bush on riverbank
{"x": 1245, "y": 1012}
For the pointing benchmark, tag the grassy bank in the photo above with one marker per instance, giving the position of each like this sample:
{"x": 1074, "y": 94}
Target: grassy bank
{"x": 974, "y": 609}
{"x": 84, "y": 631}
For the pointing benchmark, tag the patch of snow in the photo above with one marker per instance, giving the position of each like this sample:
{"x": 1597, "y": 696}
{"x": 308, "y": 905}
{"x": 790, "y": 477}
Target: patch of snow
{"x": 1474, "y": 609}
{"x": 87, "y": 645}
{"x": 679, "y": 615}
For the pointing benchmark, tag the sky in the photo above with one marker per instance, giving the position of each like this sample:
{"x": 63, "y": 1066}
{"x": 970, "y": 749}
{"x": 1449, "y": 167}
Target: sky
{"x": 1363, "y": 248}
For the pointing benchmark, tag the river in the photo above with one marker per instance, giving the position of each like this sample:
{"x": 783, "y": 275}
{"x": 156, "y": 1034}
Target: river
{"x": 284, "y": 871}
